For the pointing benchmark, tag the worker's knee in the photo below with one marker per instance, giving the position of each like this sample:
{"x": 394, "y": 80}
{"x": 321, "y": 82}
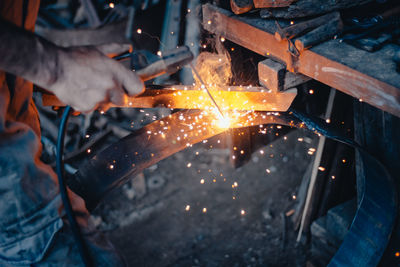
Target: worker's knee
{"x": 64, "y": 251}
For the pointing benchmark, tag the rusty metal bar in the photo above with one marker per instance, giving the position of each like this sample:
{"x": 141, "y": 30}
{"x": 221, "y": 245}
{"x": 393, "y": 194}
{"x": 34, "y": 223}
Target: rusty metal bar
{"x": 191, "y": 97}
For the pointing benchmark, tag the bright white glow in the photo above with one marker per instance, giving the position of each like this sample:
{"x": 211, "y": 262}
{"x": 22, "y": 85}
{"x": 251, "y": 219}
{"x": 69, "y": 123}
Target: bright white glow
{"x": 223, "y": 122}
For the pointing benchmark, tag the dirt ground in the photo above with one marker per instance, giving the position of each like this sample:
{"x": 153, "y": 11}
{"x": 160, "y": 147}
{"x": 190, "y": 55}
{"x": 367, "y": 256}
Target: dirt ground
{"x": 169, "y": 216}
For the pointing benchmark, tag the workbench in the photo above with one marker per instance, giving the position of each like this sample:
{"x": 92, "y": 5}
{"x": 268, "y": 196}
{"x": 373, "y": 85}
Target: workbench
{"x": 369, "y": 77}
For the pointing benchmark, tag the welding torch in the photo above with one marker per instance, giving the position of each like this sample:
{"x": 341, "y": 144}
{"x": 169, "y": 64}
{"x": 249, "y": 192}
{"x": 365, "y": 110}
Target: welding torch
{"x": 148, "y": 66}
{"x": 145, "y": 64}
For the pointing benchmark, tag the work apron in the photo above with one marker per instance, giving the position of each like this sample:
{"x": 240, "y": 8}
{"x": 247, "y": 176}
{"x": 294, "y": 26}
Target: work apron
{"x": 29, "y": 199}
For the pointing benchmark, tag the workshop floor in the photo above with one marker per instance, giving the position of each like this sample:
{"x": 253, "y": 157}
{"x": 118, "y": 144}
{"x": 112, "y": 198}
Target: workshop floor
{"x": 158, "y": 219}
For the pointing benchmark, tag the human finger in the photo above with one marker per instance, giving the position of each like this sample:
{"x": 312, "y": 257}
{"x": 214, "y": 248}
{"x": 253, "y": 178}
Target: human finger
{"x": 113, "y": 49}
{"x": 131, "y": 82}
{"x": 117, "y": 96}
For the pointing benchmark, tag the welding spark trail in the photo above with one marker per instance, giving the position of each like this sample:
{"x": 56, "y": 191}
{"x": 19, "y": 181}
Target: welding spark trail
{"x": 208, "y": 91}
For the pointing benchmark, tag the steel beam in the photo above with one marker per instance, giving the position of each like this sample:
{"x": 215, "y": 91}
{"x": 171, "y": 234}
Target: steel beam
{"x": 156, "y": 141}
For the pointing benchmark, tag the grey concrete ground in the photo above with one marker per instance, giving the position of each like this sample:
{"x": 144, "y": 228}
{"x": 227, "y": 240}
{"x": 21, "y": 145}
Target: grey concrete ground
{"x": 169, "y": 217}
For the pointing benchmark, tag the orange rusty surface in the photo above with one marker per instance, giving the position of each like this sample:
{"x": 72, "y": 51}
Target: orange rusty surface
{"x": 272, "y": 3}
{"x": 189, "y": 97}
{"x": 378, "y": 88}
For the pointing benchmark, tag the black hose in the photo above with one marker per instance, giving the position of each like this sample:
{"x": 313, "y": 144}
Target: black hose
{"x": 76, "y": 231}
{"x": 318, "y": 125}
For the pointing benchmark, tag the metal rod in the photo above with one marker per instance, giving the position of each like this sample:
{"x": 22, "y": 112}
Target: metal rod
{"x": 317, "y": 161}
{"x": 208, "y": 91}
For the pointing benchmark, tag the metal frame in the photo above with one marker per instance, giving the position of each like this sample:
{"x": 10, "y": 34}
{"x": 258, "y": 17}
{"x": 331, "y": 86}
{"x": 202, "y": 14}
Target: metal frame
{"x": 368, "y": 77}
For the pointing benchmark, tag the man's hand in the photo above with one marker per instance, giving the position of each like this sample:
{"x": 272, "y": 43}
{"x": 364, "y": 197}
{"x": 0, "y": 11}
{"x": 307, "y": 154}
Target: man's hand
{"x": 82, "y": 77}
{"x": 85, "y": 78}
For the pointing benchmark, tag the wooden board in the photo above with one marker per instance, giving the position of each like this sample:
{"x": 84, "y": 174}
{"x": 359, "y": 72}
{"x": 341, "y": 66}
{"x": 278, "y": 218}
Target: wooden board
{"x": 273, "y": 75}
{"x": 370, "y": 77}
{"x": 190, "y": 97}
{"x": 272, "y": 3}
{"x": 301, "y": 28}
{"x": 241, "y": 6}
{"x": 306, "y": 8}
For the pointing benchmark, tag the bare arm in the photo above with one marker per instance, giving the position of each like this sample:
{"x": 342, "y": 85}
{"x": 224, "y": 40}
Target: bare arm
{"x": 109, "y": 33}
{"x": 80, "y": 76}
{"x": 27, "y": 55}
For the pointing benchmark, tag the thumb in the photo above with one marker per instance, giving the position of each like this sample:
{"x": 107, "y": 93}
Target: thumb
{"x": 117, "y": 96}
{"x": 131, "y": 82}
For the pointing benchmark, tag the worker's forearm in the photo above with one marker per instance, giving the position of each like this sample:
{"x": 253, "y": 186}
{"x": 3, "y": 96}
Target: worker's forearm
{"x": 81, "y": 77}
{"x": 27, "y": 55}
{"x": 109, "y": 33}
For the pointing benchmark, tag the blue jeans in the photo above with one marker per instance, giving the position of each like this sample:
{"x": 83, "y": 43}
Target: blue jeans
{"x": 32, "y": 228}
